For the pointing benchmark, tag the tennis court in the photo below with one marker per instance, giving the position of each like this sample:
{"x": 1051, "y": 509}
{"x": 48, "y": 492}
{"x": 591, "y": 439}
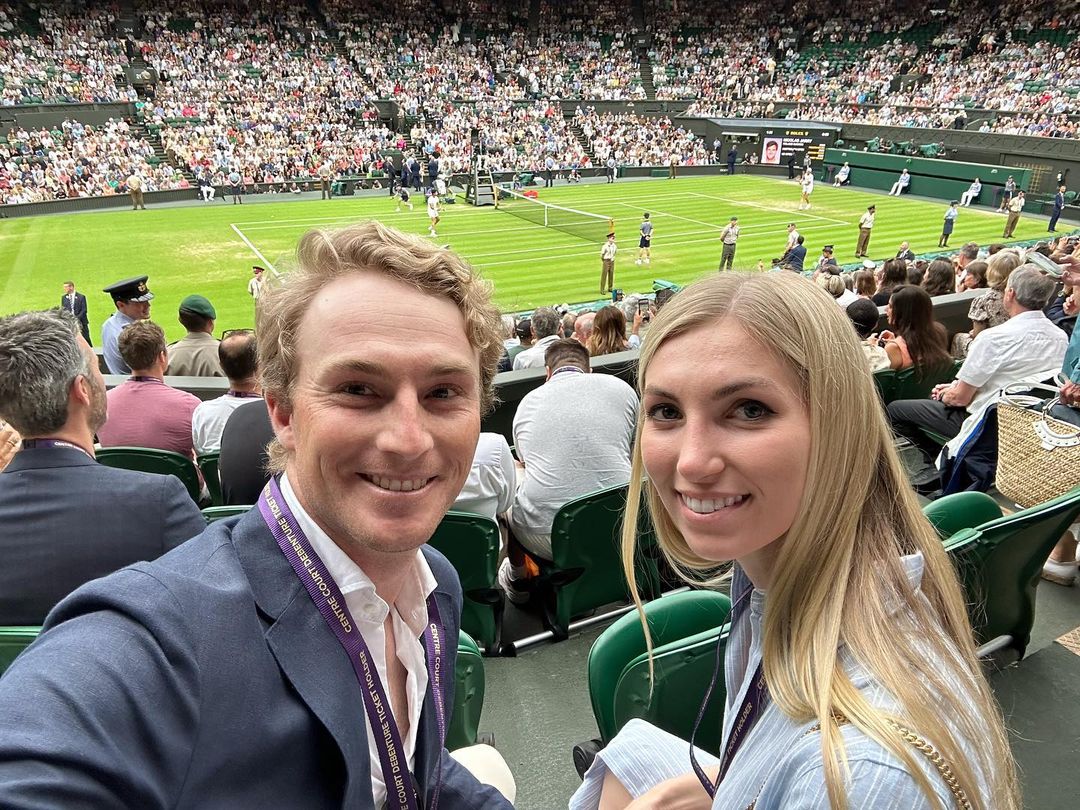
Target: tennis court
{"x": 210, "y": 248}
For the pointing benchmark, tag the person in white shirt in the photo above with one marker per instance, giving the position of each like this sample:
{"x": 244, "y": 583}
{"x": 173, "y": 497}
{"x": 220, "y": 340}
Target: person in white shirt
{"x": 901, "y": 184}
{"x": 842, "y": 176}
{"x": 807, "y": 189}
{"x": 573, "y": 436}
{"x": 238, "y": 355}
{"x": 866, "y": 224}
{"x": 971, "y": 194}
{"x": 489, "y": 489}
{"x": 545, "y": 324}
{"x": 792, "y": 237}
{"x": 255, "y": 283}
{"x": 433, "y": 211}
{"x": 1026, "y": 348}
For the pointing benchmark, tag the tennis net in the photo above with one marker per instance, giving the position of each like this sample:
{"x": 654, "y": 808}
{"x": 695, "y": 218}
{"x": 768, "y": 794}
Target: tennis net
{"x": 582, "y": 224}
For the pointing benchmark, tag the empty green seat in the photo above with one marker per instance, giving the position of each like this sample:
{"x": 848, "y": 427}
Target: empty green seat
{"x": 915, "y": 383}
{"x": 672, "y": 700}
{"x": 461, "y": 731}
{"x": 671, "y": 619}
{"x": 586, "y": 567}
{"x": 472, "y": 543}
{"x": 962, "y": 510}
{"x": 13, "y": 640}
{"x": 159, "y": 462}
{"x": 999, "y": 562}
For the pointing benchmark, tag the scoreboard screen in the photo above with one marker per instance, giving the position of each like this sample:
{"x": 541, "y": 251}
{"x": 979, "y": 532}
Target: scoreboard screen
{"x": 778, "y": 145}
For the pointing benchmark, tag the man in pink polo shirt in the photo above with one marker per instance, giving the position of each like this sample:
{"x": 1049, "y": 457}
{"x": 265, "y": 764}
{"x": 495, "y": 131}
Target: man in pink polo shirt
{"x": 144, "y": 411}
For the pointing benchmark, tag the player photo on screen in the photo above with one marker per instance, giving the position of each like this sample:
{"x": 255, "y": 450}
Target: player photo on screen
{"x": 770, "y": 151}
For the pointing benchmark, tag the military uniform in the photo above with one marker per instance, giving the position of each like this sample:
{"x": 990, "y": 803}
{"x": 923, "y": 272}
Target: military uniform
{"x": 128, "y": 290}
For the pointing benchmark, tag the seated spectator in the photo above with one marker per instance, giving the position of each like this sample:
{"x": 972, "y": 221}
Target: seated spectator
{"x": 916, "y": 338}
{"x": 968, "y": 254}
{"x": 239, "y": 359}
{"x": 196, "y": 353}
{"x": 1026, "y": 348}
{"x": 573, "y": 437}
{"x": 939, "y": 278}
{"x": 974, "y": 277}
{"x": 489, "y": 489}
{"x": 545, "y": 331}
{"x": 244, "y": 462}
{"x": 583, "y": 327}
{"x": 865, "y": 285}
{"x": 834, "y": 286}
{"x": 893, "y": 275}
{"x": 144, "y": 411}
{"x": 609, "y": 332}
{"x": 76, "y": 519}
{"x": 864, "y": 317}
{"x": 523, "y": 333}
{"x": 794, "y": 258}
{"x": 988, "y": 310}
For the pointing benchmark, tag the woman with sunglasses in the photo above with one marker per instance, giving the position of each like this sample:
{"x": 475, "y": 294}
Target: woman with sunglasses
{"x": 851, "y": 658}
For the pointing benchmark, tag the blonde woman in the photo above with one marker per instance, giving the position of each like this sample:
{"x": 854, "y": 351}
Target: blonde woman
{"x": 850, "y": 639}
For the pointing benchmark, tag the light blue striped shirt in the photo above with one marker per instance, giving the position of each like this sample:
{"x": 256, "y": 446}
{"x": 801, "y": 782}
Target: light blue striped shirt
{"x": 780, "y": 764}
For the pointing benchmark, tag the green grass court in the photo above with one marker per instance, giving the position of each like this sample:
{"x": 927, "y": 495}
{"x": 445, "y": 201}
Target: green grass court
{"x": 210, "y": 248}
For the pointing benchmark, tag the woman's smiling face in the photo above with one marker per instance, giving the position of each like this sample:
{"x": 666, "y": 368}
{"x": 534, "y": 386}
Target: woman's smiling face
{"x": 726, "y": 443}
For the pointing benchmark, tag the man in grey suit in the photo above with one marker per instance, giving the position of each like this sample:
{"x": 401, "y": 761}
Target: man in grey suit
{"x": 303, "y": 655}
{"x": 67, "y": 519}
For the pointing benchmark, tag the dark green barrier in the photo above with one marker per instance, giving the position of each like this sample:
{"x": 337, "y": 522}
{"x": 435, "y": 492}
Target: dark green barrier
{"x": 944, "y": 179}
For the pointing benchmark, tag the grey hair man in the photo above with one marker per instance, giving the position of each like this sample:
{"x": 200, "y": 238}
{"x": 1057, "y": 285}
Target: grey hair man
{"x": 293, "y": 643}
{"x": 78, "y": 520}
{"x": 583, "y": 327}
{"x": 1026, "y": 348}
{"x": 545, "y": 331}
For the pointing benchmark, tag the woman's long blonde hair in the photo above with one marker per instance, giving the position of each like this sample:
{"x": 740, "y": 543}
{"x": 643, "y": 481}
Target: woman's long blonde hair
{"x": 838, "y": 579}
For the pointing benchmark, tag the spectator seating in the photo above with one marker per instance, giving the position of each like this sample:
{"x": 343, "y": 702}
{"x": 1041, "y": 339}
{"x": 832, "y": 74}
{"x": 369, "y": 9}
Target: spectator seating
{"x": 160, "y": 462}
{"x": 472, "y": 544}
{"x": 208, "y": 466}
{"x": 583, "y": 574}
{"x": 1000, "y": 559}
{"x": 461, "y": 731}
{"x": 912, "y": 383}
{"x": 672, "y": 618}
{"x": 13, "y": 640}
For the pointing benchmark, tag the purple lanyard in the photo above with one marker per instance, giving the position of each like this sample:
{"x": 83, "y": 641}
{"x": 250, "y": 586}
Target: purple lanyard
{"x": 146, "y": 379}
{"x": 400, "y": 789}
{"x": 44, "y": 444}
{"x": 753, "y": 706}
{"x": 243, "y": 394}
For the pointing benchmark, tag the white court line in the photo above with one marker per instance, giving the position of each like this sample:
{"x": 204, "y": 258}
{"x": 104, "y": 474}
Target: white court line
{"x": 766, "y": 207}
{"x": 698, "y": 239}
{"x": 673, "y": 216}
{"x": 254, "y": 249}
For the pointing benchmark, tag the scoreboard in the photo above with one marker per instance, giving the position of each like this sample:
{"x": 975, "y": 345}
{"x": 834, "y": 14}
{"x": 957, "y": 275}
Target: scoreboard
{"x": 779, "y": 144}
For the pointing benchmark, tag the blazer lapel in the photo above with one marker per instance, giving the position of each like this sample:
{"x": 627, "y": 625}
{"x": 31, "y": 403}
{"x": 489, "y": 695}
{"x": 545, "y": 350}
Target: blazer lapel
{"x": 307, "y": 651}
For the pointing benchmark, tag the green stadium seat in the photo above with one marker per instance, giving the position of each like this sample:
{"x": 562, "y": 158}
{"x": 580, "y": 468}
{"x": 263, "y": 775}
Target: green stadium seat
{"x": 462, "y": 730}
{"x": 999, "y": 562}
{"x": 962, "y": 510}
{"x": 671, "y": 619}
{"x": 13, "y": 640}
{"x": 585, "y": 571}
{"x": 472, "y": 544}
{"x": 159, "y": 462}
{"x": 208, "y": 464}
{"x": 212, "y": 513}
{"x": 913, "y": 383}
{"x": 680, "y": 668}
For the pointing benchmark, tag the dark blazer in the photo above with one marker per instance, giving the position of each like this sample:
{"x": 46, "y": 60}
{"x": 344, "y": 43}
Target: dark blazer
{"x": 79, "y": 311}
{"x": 65, "y": 520}
{"x": 243, "y": 459}
{"x": 206, "y": 679}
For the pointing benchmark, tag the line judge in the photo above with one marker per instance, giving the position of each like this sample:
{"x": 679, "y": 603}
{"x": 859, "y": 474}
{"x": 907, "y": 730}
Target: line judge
{"x": 222, "y": 674}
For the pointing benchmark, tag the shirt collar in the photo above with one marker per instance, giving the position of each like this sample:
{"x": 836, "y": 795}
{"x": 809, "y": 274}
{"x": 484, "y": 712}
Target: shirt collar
{"x": 411, "y": 603}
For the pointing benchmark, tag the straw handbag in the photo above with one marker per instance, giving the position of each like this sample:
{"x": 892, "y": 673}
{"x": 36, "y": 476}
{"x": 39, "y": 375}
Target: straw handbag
{"x": 1038, "y": 456}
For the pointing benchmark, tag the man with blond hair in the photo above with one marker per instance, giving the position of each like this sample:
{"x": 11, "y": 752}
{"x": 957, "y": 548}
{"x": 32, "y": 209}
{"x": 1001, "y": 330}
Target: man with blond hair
{"x": 304, "y": 655}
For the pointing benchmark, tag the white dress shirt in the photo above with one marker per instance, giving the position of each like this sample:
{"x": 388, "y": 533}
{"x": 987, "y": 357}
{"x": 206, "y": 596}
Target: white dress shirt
{"x": 369, "y": 612}
{"x": 208, "y": 422}
{"x": 489, "y": 489}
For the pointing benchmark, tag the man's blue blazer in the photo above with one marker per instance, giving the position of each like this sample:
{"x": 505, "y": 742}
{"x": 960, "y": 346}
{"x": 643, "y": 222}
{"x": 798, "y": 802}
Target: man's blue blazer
{"x": 207, "y": 679}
